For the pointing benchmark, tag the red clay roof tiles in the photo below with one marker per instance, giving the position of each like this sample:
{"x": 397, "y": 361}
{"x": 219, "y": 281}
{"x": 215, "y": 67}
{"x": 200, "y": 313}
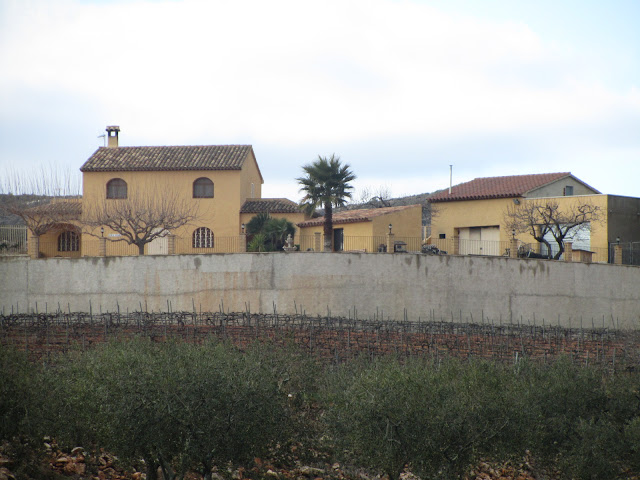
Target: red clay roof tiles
{"x": 269, "y": 205}
{"x": 207, "y": 157}
{"x": 353, "y": 216}
{"x": 497, "y": 187}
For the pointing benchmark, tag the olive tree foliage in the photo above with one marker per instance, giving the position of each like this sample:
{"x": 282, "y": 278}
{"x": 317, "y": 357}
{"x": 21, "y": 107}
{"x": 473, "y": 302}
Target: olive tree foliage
{"x": 145, "y": 215}
{"x": 20, "y": 395}
{"x": 577, "y": 416}
{"x": 326, "y": 185}
{"x": 177, "y": 406}
{"x": 542, "y": 217}
{"x": 436, "y": 419}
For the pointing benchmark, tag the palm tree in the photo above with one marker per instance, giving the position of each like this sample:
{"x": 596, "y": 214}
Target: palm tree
{"x": 326, "y": 184}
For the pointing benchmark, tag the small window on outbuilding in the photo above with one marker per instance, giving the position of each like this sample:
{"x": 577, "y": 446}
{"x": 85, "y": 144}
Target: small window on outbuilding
{"x": 568, "y": 190}
{"x": 202, "y": 238}
{"x": 442, "y": 236}
{"x": 68, "y": 242}
{"x": 116, "y": 188}
{"x": 203, "y": 188}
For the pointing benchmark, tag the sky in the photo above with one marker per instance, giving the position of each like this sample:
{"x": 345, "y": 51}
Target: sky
{"x": 400, "y": 90}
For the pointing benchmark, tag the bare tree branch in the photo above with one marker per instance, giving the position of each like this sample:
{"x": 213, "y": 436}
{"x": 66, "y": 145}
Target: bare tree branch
{"x": 542, "y": 217}
{"x": 142, "y": 217}
{"x": 42, "y": 198}
{"x": 372, "y": 197}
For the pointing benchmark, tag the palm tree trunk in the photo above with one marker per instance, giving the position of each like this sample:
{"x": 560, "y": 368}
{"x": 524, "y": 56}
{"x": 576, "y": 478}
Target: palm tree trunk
{"x": 328, "y": 227}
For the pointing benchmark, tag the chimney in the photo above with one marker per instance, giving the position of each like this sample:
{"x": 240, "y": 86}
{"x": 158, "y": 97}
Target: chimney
{"x": 112, "y": 134}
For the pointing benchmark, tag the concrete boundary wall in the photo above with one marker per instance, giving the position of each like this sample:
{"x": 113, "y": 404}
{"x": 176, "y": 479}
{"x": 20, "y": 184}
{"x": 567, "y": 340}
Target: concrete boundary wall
{"x": 476, "y": 289}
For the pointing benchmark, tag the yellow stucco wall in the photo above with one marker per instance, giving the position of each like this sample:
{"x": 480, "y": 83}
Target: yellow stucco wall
{"x": 220, "y": 213}
{"x": 452, "y": 216}
{"x": 368, "y": 235}
{"x": 49, "y": 243}
{"x": 474, "y": 213}
{"x": 250, "y": 175}
{"x": 599, "y": 239}
{"x": 406, "y": 223}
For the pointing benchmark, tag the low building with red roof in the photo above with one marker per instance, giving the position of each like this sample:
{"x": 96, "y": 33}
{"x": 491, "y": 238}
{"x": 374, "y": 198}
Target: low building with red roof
{"x": 366, "y": 230}
{"x": 470, "y": 218}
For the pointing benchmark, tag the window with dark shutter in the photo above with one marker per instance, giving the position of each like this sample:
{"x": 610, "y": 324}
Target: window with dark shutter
{"x": 116, "y": 188}
{"x": 203, "y": 188}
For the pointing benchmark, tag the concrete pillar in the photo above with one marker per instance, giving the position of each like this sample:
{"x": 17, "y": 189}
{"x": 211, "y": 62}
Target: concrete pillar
{"x": 242, "y": 248}
{"x": 617, "y": 254}
{"x": 171, "y": 244}
{"x": 513, "y": 248}
{"x": 33, "y": 247}
{"x": 317, "y": 242}
{"x": 456, "y": 245}
{"x": 568, "y": 251}
{"x": 390, "y": 242}
{"x": 102, "y": 247}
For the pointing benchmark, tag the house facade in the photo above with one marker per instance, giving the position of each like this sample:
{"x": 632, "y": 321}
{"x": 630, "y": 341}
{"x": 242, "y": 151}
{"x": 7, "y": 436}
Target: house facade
{"x": 219, "y": 185}
{"x": 471, "y": 217}
{"x": 367, "y": 230}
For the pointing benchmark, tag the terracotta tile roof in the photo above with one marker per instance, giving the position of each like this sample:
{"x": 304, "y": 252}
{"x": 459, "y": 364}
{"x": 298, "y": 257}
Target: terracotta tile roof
{"x": 497, "y": 187}
{"x": 269, "y": 205}
{"x": 208, "y": 157}
{"x": 353, "y": 216}
{"x": 69, "y": 209}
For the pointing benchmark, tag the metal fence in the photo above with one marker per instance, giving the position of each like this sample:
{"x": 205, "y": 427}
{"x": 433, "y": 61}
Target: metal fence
{"x": 13, "y": 240}
{"x": 630, "y": 252}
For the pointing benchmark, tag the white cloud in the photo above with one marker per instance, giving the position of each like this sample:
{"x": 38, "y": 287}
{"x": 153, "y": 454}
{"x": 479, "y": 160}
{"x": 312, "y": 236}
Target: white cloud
{"x": 291, "y": 73}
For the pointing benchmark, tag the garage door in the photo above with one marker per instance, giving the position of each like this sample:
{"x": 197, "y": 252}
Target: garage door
{"x": 480, "y": 240}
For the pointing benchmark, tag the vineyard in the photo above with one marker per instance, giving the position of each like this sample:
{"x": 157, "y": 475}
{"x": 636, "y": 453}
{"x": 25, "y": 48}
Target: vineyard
{"x": 329, "y": 337}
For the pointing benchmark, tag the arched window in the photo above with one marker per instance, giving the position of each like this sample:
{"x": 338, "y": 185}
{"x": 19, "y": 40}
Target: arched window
{"x": 68, "y": 242}
{"x": 116, "y": 188}
{"x": 203, "y": 188}
{"x": 202, "y": 238}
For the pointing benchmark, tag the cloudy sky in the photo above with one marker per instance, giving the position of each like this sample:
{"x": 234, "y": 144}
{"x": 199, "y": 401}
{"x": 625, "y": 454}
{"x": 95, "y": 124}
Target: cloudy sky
{"x": 400, "y": 90}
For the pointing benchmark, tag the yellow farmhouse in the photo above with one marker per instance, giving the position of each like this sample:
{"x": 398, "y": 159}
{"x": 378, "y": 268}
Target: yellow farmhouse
{"x": 220, "y": 185}
{"x": 470, "y": 217}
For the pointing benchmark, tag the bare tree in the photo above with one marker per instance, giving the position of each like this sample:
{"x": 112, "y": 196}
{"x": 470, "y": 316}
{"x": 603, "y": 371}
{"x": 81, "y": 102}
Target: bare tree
{"x": 372, "y": 197}
{"x": 543, "y": 217}
{"x": 142, "y": 217}
{"x": 42, "y": 198}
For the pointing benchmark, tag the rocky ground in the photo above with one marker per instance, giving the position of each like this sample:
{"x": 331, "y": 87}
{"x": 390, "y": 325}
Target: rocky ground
{"x": 79, "y": 464}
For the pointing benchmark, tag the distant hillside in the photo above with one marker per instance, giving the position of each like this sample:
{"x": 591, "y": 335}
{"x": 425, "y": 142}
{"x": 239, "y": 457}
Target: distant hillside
{"x": 421, "y": 198}
{"x": 8, "y": 200}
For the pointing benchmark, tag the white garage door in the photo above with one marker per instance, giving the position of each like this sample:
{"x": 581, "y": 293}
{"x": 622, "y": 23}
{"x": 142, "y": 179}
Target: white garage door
{"x": 480, "y": 240}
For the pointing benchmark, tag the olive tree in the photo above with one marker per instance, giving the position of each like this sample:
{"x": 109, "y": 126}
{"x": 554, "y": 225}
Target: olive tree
{"x": 434, "y": 418}
{"x": 178, "y": 406}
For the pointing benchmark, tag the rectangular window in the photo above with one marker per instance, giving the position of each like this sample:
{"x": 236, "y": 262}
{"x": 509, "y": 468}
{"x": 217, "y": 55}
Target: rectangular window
{"x": 568, "y": 190}
{"x": 442, "y": 236}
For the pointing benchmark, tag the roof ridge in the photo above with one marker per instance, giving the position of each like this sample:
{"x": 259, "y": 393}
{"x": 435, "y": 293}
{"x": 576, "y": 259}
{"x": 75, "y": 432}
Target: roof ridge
{"x": 168, "y": 158}
{"x": 500, "y": 187}
{"x": 178, "y": 146}
{"x": 519, "y": 175}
